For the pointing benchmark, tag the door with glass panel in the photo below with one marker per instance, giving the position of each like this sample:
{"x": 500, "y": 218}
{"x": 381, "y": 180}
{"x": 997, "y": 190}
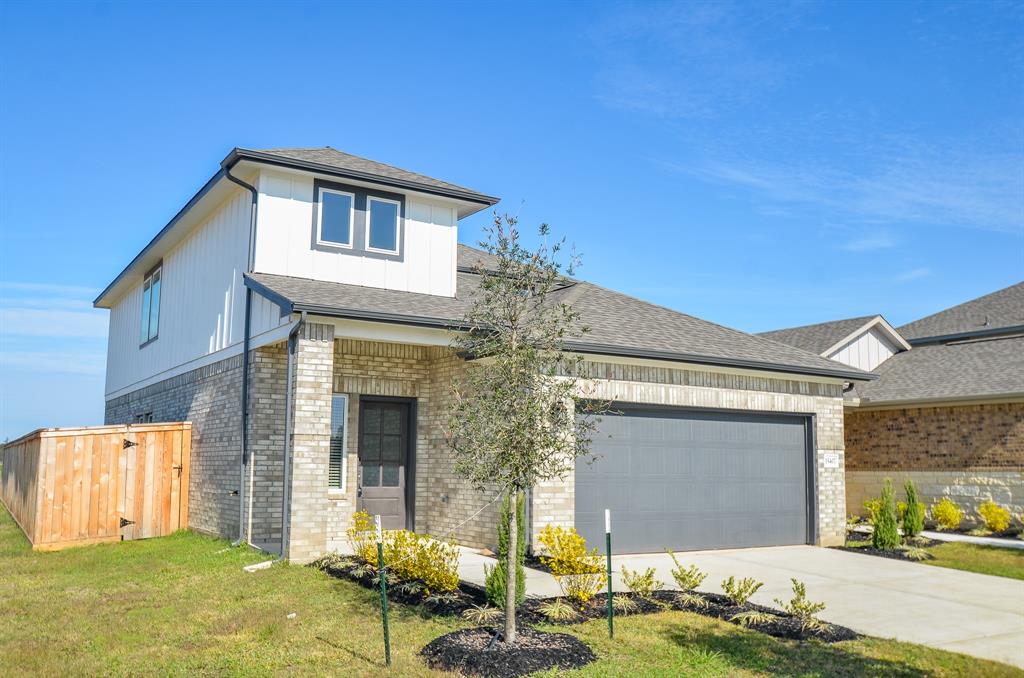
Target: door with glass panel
{"x": 383, "y": 458}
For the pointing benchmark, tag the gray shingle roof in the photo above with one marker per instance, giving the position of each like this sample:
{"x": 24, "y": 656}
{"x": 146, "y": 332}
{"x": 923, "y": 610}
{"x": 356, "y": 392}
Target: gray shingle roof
{"x": 976, "y": 368}
{"x": 819, "y": 337}
{"x": 332, "y": 158}
{"x": 1004, "y": 308}
{"x": 619, "y": 324}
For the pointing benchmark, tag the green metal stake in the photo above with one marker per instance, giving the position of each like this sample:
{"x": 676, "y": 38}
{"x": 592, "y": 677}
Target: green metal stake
{"x": 383, "y": 591}
{"x": 608, "y": 550}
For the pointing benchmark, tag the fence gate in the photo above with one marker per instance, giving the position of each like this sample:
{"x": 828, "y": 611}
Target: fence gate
{"x": 67, "y": 487}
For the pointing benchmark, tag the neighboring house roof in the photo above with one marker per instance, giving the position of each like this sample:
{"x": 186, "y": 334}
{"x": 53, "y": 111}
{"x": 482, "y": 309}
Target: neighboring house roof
{"x": 973, "y": 369}
{"x": 819, "y": 337}
{"x": 335, "y": 161}
{"x": 987, "y": 314}
{"x": 619, "y": 324}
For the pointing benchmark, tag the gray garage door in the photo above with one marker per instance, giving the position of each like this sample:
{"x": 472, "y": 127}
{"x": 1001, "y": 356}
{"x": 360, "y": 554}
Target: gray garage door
{"x": 690, "y": 480}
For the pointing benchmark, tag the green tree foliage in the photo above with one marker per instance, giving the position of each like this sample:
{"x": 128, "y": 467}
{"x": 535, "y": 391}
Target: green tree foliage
{"x": 519, "y": 415}
{"x": 495, "y": 581}
{"x": 913, "y": 518}
{"x": 886, "y": 535}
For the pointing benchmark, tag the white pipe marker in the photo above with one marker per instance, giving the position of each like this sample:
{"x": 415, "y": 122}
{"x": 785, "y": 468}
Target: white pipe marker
{"x": 607, "y": 521}
{"x": 380, "y": 536}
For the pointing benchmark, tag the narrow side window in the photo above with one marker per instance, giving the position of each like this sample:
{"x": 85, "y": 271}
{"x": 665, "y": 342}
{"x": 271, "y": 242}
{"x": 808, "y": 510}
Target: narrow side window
{"x": 339, "y": 455}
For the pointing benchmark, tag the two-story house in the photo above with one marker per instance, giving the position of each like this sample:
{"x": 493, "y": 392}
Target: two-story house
{"x": 299, "y": 309}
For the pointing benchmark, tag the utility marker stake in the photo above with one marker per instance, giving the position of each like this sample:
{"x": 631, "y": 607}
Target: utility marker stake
{"x": 608, "y": 550}
{"x": 384, "y": 589}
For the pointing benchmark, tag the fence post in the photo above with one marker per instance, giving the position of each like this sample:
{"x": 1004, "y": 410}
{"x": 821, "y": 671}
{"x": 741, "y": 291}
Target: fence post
{"x": 608, "y": 550}
{"x": 383, "y": 590}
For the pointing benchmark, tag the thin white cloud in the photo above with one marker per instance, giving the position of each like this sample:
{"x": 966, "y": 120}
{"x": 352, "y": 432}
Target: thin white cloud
{"x": 870, "y": 243}
{"x": 69, "y": 290}
{"x": 34, "y": 322}
{"x": 53, "y": 362}
{"x": 914, "y": 274}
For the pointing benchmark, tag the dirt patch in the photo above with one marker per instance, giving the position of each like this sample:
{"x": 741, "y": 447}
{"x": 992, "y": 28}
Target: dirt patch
{"x": 479, "y": 651}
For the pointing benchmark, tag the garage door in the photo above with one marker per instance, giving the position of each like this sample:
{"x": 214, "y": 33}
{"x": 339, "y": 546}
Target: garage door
{"x": 685, "y": 480}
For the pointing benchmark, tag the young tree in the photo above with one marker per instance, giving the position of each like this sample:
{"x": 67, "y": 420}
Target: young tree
{"x": 886, "y": 536}
{"x": 518, "y": 416}
{"x": 913, "y": 519}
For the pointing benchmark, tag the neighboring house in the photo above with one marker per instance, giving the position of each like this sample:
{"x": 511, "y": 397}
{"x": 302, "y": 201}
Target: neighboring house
{"x": 344, "y": 278}
{"x": 947, "y": 409}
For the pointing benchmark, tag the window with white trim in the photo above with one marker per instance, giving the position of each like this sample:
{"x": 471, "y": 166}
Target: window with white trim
{"x": 335, "y": 218}
{"x": 149, "y": 323}
{"x": 338, "y": 455}
{"x": 382, "y": 217}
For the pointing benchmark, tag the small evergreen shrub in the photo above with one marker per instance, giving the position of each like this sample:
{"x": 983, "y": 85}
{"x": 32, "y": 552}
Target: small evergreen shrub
{"x": 798, "y": 607}
{"x": 913, "y": 516}
{"x": 641, "y": 583}
{"x": 739, "y": 592}
{"x": 579, "y": 573}
{"x": 947, "y": 514}
{"x": 688, "y": 579}
{"x": 997, "y": 518}
{"x": 495, "y": 577}
{"x": 885, "y": 535}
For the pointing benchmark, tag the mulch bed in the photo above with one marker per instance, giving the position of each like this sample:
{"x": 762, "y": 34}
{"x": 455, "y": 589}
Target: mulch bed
{"x": 529, "y": 614}
{"x": 894, "y": 554}
{"x": 478, "y": 651}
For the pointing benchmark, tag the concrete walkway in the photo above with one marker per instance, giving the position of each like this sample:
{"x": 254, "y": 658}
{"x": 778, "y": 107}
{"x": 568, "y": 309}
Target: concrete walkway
{"x": 970, "y": 539}
{"x": 975, "y": 614}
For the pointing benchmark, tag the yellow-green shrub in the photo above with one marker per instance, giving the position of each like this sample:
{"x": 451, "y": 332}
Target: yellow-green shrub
{"x": 947, "y": 514}
{"x": 901, "y": 509}
{"x": 407, "y": 555}
{"x": 578, "y": 572}
{"x": 361, "y": 538}
{"x": 995, "y": 516}
{"x": 873, "y": 506}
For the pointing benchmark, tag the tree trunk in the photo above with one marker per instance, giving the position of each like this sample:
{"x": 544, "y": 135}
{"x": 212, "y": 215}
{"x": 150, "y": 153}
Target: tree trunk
{"x": 510, "y": 568}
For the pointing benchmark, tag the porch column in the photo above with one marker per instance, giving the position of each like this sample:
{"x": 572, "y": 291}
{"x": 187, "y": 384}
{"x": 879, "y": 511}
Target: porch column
{"x": 311, "y": 439}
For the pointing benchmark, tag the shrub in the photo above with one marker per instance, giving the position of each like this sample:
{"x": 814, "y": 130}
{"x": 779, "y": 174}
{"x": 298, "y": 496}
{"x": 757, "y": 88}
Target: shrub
{"x": 410, "y": 556}
{"x": 913, "y": 516}
{"x": 624, "y": 604}
{"x": 643, "y": 584}
{"x": 689, "y": 579}
{"x": 947, "y": 514}
{"x": 558, "y": 610}
{"x": 739, "y": 592}
{"x": 801, "y": 609}
{"x": 579, "y": 573}
{"x": 885, "y": 535}
{"x": 481, "y": 614}
{"x": 361, "y": 537}
{"x": 997, "y": 519}
{"x": 750, "y": 618}
{"x": 495, "y": 577}
{"x": 873, "y": 506}
{"x": 694, "y": 600}
{"x": 915, "y": 553}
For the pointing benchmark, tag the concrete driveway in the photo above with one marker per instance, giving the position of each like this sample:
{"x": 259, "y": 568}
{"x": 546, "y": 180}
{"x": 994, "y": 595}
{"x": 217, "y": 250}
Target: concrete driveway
{"x": 975, "y": 614}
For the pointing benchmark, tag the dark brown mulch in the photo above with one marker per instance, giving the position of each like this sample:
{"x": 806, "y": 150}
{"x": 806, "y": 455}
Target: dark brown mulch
{"x": 479, "y": 651}
{"x": 881, "y": 553}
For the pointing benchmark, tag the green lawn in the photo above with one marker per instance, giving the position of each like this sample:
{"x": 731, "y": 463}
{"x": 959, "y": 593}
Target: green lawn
{"x": 182, "y": 605}
{"x": 1001, "y": 562}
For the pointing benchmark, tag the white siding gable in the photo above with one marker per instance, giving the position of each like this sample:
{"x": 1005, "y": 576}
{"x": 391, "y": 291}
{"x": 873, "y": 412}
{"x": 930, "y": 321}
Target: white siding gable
{"x": 867, "y": 350}
{"x": 284, "y": 241}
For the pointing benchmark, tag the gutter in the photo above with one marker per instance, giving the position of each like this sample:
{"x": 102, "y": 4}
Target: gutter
{"x": 972, "y": 334}
{"x": 244, "y": 461}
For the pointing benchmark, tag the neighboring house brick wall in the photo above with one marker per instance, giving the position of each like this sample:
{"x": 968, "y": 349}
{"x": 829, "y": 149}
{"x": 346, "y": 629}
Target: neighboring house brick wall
{"x": 210, "y": 398}
{"x": 969, "y": 453}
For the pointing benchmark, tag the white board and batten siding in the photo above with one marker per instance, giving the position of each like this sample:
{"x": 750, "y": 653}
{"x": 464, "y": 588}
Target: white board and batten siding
{"x": 284, "y": 237}
{"x": 202, "y": 305}
{"x": 866, "y": 351}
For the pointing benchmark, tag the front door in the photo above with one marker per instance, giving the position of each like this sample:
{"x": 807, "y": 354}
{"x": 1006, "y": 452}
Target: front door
{"x": 383, "y": 461}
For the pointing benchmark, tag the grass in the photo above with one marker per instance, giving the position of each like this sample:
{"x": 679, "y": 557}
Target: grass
{"x": 994, "y": 560}
{"x": 181, "y": 605}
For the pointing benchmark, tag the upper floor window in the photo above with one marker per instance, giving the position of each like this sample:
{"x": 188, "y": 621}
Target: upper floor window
{"x": 335, "y": 218}
{"x": 382, "y": 234}
{"x": 150, "y": 321}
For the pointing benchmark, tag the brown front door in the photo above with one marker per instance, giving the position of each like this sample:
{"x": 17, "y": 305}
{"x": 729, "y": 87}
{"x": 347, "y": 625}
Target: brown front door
{"x": 383, "y": 461}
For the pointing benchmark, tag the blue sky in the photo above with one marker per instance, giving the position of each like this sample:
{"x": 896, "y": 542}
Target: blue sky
{"x": 760, "y": 165}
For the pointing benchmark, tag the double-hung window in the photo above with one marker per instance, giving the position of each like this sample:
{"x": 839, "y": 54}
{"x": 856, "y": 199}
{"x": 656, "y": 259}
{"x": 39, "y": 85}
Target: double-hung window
{"x": 382, "y": 217}
{"x": 338, "y": 456}
{"x": 149, "y": 323}
{"x": 335, "y": 218}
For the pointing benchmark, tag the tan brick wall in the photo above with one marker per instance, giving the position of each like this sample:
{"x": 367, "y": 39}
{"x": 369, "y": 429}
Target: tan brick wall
{"x": 969, "y": 437}
{"x": 969, "y": 489}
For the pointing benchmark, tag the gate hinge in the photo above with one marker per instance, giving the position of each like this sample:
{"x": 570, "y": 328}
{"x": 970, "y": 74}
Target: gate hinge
{"x": 128, "y": 443}
{"x": 125, "y": 523}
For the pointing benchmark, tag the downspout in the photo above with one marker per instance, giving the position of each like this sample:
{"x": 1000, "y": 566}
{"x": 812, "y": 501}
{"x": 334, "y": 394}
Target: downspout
{"x": 286, "y": 457}
{"x": 244, "y": 462}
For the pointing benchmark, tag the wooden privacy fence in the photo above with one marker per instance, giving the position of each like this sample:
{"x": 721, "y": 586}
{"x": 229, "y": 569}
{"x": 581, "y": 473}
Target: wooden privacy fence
{"x": 73, "y": 486}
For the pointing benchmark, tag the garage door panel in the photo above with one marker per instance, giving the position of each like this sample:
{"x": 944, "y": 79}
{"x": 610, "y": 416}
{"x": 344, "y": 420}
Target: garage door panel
{"x": 692, "y": 479}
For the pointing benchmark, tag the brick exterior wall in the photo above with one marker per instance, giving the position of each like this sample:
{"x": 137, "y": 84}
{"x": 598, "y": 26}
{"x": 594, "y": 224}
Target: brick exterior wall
{"x": 968, "y": 437}
{"x": 268, "y": 369}
{"x": 210, "y": 398}
{"x": 969, "y": 453}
